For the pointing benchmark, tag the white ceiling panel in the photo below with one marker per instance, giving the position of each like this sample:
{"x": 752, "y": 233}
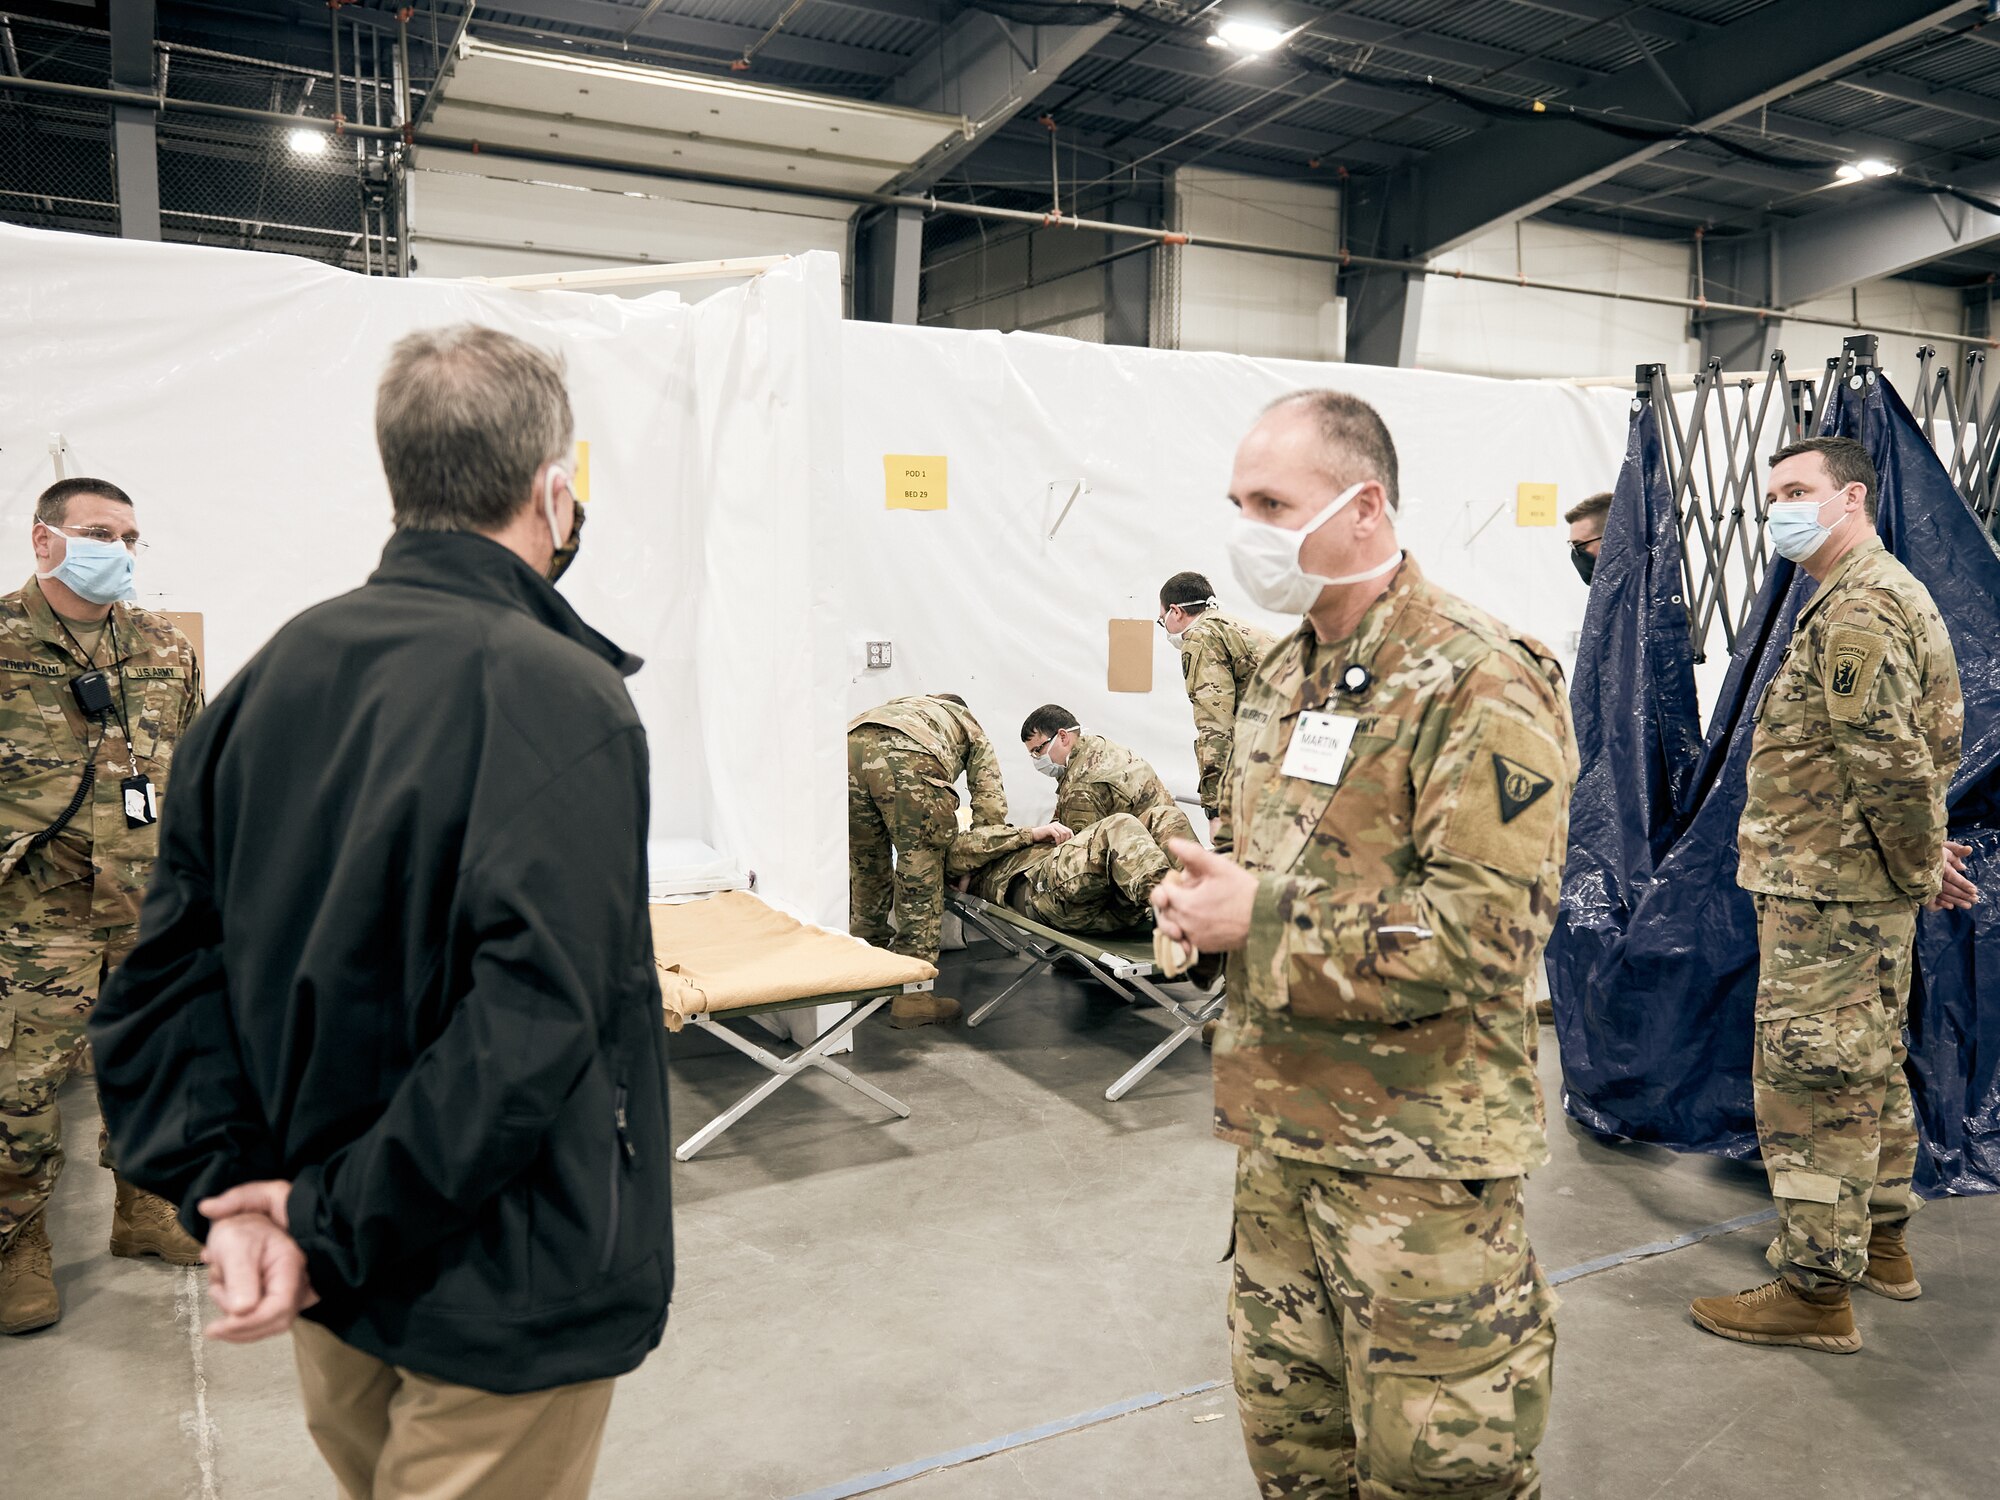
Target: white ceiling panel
{"x": 514, "y": 96}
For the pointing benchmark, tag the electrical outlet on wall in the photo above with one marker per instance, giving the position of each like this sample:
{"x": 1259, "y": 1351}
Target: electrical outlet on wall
{"x": 880, "y": 654}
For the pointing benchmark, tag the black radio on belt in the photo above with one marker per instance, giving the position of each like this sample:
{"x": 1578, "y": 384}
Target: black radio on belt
{"x": 93, "y": 694}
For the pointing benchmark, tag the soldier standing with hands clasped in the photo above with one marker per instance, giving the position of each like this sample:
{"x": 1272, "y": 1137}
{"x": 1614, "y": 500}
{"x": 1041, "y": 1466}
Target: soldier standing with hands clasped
{"x": 1399, "y": 801}
{"x": 1842, "y": 840}
{"x": 94, "y": 695}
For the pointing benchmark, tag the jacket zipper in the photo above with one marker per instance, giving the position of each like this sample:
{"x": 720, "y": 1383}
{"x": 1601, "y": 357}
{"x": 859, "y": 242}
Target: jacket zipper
{"x": 619, "y": 1158}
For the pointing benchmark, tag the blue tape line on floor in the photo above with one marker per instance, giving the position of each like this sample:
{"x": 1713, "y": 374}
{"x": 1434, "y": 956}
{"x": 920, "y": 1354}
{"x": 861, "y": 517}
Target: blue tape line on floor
{"x": 1661, "y": 1247}
{"x": 883, "y": 1478}
{"x": 868, "y": 1484}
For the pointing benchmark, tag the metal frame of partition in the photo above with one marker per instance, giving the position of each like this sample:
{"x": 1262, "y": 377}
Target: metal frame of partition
{"x": 1719, "y": 432}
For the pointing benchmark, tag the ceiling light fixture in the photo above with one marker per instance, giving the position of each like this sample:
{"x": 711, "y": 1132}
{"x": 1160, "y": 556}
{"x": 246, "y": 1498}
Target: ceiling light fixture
{"x": 1855, "y": 171}
{"x": 307, "y": 142}
{"x": 1254, "y": 37}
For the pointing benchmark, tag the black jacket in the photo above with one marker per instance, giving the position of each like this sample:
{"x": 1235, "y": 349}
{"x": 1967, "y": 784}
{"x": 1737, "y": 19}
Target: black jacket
{"x": 396, "y": 950}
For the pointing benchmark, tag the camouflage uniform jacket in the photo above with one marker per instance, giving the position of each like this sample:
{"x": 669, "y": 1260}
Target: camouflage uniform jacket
{"x": 953, "y": 737}
{"x": 156, "y": 692}
{"x": 1857, "y": 738}
{"x": 1102, "y": 778}
{"x": 1377, "y": 1017}
{"x": 1219, "y": 656}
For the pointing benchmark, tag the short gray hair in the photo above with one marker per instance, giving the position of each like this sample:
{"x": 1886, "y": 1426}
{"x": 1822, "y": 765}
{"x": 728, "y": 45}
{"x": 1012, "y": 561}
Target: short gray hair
{"x": 1357, "y": 441}
{"x": 464, "y": 417}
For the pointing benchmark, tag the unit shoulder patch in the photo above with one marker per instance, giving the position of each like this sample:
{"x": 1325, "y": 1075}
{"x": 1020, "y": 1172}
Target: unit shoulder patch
{"x": 1519, "y": 786}
{"x": 1853, "y": 658}
{"x": 1501, "y": 813}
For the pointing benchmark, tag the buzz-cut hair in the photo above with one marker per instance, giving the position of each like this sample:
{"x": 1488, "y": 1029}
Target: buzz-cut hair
{"x": 1050, "y": 719}
{"x": 1188, "y": 591}
{"x": 1585, "y": 510}
{"x": 1845, "y": 459}
{"x": 52, "y": 509}
{"x": 954, "y": 698}
{"x": 1355, "y": 439}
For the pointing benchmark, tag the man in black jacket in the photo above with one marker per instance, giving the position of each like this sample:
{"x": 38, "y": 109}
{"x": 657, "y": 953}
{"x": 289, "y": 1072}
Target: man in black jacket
{"x": 391, "y": 1036}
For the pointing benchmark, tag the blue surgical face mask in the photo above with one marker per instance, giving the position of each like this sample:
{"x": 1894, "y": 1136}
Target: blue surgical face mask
{"x": 1796, "y": 531}
{"x": 100, "y": 572}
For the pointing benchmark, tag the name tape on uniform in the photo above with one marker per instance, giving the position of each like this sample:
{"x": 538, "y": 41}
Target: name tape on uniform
{"x": 1319, "y": 747}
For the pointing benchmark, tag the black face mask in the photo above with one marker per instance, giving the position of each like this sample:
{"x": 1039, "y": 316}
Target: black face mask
{"x": 1586, "y": 565}
{"x": 566, "y": 553}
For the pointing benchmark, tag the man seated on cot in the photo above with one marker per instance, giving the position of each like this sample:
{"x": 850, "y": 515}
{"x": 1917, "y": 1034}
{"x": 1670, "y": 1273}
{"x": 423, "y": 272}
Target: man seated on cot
{"x": 1096, "y": 778}
{"x": 1099, "y": 880}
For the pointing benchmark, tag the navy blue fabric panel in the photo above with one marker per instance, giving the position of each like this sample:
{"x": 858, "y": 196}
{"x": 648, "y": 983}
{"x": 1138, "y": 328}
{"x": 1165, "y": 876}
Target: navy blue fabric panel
{"x": 1654, "y": 958}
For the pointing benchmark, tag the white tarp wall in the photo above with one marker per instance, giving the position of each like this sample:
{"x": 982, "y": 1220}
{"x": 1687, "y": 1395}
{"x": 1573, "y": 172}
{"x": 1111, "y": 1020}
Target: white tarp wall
{"x": 977, "y": 599}
{"x": 232, "y": 395}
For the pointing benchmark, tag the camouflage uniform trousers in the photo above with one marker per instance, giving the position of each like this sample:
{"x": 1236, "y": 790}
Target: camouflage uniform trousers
{"x": 1834, "y": 1114}
{"x": 898, "y": 798}
{"x": 50, "y": 974}
{"x": 1390, "y": 1336}
{"x": 1100, "y": 881}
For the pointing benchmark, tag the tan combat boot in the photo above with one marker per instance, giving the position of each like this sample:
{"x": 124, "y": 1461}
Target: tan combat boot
{"x": 28, "y": 1298}
{"x": 1779, "y": 1313}
{"x": 921, "y": 1008}
{"x": 1890, "y": 1271}
{"x": 142, "y": 1224}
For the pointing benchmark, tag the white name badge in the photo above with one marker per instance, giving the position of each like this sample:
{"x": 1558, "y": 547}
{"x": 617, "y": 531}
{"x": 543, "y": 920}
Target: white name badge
{"x": 1319, "y": 747}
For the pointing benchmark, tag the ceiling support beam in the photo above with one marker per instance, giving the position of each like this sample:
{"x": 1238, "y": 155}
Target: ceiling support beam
{"x": 135, "y": 145}
{"x": 1882, "y": 232}
{"x": 889, "y": 264}
{"x": 989, "y": 72}
{"x": 1508, "y": 171}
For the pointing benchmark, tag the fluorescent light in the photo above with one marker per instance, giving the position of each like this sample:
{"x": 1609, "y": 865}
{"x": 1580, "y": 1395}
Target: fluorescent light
{"x": 307, "y": 142}
{"x": 1855, "y": 171}
{"x": 1250, "y": 36}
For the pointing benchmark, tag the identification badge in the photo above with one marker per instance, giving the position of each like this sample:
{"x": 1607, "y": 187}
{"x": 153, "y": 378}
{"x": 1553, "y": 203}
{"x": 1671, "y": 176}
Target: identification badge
{"x": 142, "y": 802}
{"x": 1319, "y": 747}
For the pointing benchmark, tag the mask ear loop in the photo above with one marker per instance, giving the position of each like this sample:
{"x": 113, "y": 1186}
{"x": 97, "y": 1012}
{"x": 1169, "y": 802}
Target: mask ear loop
{"x": 556, "y": 471}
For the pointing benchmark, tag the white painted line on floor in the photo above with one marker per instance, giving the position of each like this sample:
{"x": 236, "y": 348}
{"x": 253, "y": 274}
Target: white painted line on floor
{"x": 883, "y": 1479}
{"x": 867, "y": 1484}
{"x": 1661, "y": 1247}
{"x": 197, "y": 1424}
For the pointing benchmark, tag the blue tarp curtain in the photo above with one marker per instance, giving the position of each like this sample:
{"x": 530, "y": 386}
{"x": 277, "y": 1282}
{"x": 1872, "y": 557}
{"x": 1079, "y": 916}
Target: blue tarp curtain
{"x": 1653, "y": 962}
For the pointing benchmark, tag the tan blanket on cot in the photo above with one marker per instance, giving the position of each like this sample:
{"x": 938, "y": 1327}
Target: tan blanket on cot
{"x": 732, "y": 950}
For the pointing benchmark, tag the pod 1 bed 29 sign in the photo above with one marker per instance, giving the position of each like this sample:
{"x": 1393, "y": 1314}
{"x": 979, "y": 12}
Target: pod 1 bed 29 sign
{"x": 914, "y": 481}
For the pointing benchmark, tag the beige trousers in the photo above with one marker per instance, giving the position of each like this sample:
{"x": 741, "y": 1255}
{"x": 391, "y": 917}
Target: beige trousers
{"x": 392, "y": 1434}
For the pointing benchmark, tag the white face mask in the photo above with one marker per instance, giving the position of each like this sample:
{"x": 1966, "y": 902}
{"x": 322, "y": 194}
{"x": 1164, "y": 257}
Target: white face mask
{"x": 1044, "y": 763}
{"x": 1796, "y": 530}
{"x": 1266, "y": 560}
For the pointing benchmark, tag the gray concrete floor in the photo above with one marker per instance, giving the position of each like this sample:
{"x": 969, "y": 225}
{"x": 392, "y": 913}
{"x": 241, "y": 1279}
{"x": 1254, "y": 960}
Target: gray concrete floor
{"x": 858, "y": 1293}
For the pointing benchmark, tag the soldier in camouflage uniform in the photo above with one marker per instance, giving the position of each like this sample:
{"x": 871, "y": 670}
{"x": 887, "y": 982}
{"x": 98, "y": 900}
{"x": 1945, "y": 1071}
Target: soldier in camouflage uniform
{"x": 1099, "y": 880}
{"x": 69, "y": 901}
{"x": 1399, "y": 800}
{"x": 1096, "y": 778}
{"x": 1842, "y": 840}
{"x": 903, "y": 762}
{"x": 1219, "y": 656}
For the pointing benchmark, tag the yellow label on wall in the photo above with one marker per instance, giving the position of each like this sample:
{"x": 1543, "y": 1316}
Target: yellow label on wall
{"x": 579, "y": 484}
{"x": 1535, "y": 505}
{"x": 915, "y": 481}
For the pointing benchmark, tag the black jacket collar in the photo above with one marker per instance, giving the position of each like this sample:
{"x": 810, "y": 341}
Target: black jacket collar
{"x": 476, "y": 567}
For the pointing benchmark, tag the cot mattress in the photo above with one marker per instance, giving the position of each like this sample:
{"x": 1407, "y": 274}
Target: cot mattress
{"x": 735, "y": 952}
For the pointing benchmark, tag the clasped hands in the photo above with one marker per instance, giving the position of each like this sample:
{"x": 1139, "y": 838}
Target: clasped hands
{"x": 1959, "y": 893}
{"x": 256, "y": 1271}
{"x": 1208, "y": 902}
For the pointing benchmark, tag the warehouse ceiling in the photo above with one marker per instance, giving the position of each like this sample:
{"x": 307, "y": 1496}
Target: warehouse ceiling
{"x": 1681, "y": 115}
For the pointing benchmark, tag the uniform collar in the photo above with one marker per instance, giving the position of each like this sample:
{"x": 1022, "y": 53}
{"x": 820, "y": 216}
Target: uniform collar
{"x": 1377, "y": 626}
{"x": 1861, "y": 549}
{"x": 47, "y": 628}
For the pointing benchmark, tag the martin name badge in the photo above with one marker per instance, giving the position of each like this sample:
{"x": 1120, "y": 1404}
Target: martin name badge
{"x": 1319, "y": 747}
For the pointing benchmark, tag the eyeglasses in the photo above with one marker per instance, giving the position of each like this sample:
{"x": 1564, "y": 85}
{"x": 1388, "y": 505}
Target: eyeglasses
{"x": 1586, "y": 543}
{"x": 102, "y": 534}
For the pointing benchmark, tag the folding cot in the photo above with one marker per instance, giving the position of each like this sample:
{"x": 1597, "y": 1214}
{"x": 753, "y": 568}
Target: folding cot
{"x": 1122, "y": 963}
{"x": 732, "y": 954}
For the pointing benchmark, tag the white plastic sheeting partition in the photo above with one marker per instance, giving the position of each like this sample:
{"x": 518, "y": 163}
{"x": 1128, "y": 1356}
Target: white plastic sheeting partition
{"x": 979, "y": 599}
{"x": 232, "y": 394}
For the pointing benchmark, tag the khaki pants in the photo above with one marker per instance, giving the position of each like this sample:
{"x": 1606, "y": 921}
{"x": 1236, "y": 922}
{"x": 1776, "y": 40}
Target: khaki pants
{"x": 391, "y": 1434}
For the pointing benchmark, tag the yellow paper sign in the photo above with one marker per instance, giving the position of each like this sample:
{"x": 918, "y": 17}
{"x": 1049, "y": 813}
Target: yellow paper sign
{"x": 1535, "y": 505}
{"x": 579, "y": 484}
{"x": 915, "y": 481}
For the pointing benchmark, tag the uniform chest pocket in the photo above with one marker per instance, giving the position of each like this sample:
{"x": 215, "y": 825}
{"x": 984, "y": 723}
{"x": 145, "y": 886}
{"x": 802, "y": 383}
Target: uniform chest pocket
{"x": 1788, "y": 708}
{"x": 158, "y": 708}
